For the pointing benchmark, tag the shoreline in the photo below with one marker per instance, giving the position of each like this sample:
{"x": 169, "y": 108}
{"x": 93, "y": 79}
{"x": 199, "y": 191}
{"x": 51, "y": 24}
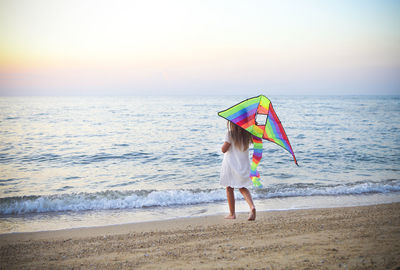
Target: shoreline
{"x": 348, "y": 237}
{"x": 42, "y": 222}
{"x": 170, "y": 223}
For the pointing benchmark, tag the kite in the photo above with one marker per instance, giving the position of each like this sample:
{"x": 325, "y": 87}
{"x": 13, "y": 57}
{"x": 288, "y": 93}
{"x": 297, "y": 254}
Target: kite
{"x": 245, "y": 114}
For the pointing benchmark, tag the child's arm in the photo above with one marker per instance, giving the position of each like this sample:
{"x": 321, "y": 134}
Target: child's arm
{"x": 225, "y": 147}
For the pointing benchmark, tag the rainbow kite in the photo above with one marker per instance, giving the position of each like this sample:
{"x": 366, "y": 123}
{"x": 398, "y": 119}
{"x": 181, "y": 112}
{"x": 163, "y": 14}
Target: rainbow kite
{"x": 245, "y": 114}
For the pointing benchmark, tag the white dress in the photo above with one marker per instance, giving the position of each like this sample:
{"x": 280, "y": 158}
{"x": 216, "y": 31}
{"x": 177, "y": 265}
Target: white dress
{"x": 235, "y": 170}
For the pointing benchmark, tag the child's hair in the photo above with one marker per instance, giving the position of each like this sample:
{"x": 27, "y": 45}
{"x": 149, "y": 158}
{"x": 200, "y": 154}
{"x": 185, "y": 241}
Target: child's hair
{"x": 241, "y": 137}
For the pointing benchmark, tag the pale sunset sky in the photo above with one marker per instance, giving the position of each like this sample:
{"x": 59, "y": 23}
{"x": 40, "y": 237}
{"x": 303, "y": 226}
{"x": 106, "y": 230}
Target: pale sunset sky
{"x": 101, "y": 47}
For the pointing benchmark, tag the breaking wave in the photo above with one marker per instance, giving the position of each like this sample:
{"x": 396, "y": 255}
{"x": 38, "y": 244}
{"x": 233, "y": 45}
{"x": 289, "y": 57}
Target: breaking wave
{"x": 112, "y": 199}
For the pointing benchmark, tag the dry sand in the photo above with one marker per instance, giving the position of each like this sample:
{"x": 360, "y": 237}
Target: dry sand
{"x": 366, "y": 237}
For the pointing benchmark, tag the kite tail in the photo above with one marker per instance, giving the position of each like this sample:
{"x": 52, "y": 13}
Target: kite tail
{"x": 257, "y": 155}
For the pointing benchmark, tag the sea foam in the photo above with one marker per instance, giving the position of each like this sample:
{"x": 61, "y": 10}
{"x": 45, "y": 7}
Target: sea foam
{"x": 135, "y": 199}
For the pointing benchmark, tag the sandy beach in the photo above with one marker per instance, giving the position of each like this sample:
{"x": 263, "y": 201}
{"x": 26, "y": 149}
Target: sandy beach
{"x": 366, "y": 237}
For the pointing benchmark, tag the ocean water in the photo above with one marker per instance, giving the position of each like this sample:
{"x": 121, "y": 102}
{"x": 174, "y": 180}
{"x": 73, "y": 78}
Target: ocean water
{"x": 87, "y": 161}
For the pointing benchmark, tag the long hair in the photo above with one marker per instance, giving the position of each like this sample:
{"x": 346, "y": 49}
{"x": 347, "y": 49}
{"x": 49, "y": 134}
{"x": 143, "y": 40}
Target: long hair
{"x": 241, "y": 137}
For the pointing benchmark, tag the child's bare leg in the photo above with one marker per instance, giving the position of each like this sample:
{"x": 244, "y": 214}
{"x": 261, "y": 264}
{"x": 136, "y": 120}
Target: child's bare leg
{"x": 247, "y": 196}
{"x": 231, "y": 202}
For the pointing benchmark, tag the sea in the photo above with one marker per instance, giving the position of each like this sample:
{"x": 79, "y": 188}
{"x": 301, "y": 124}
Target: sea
{"x": 71, "y": 162}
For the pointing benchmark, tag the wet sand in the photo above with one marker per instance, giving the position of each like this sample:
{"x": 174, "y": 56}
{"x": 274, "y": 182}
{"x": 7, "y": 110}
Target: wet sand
{"x": 366, "y": 237}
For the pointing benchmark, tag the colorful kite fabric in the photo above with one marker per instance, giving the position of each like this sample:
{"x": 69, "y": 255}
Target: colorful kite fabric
{"x": 245, "y": 115}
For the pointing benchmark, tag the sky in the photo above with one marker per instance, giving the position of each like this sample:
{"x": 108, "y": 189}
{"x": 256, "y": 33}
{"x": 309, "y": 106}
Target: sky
{"x": 107, "y": 47}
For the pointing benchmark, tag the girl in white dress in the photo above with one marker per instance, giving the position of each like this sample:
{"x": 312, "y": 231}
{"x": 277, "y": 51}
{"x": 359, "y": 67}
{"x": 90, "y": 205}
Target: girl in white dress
{"x": 235, "y": 171}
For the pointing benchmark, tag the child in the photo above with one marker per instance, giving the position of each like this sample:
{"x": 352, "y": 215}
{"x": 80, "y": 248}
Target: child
{"x": 235, "y": 171}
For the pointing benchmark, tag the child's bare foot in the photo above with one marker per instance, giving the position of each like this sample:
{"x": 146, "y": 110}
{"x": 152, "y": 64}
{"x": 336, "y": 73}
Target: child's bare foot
{"x": 252, "y": 215}
{"x": 230, "y": 216}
